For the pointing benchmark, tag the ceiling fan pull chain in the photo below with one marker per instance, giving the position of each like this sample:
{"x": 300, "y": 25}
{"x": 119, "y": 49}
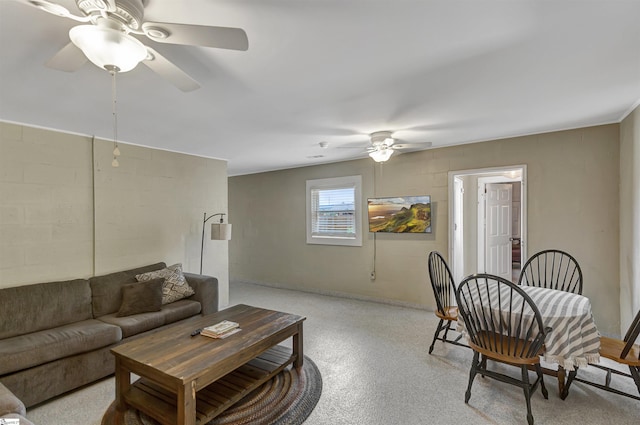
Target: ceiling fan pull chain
{"x": 116, "y": 150}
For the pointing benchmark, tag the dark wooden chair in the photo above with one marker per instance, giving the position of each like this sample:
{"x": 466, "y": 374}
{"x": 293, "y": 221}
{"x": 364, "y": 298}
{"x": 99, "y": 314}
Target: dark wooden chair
{"x": 503, "y": 324}
{"x": 552, "y": 269}
{"x": 444, "y": 292}
{"x": 624, "y": 351}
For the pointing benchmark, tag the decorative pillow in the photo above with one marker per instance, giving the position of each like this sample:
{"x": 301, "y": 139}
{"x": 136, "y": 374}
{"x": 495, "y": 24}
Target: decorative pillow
{"x": 175, "y": 285}
{"x": 141, "y": 297}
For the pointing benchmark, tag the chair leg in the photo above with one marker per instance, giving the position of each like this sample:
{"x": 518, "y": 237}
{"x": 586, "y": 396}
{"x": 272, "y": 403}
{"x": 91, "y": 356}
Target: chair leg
{"x": 435, "y": 336}
{"x": 483, "y": 365}
{"x": 527, "y": 393}
{"x": 635, "y": 373}
{"x": 472, "y": 375}
{"x": 570, "y": 378}
{"x": 446, "y": 330}
{"x": 543, "y": 388}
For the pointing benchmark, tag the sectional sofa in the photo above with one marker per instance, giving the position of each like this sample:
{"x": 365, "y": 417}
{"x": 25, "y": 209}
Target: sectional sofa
{"x": 56, "y": 336}
{"x": 11, "y": 408}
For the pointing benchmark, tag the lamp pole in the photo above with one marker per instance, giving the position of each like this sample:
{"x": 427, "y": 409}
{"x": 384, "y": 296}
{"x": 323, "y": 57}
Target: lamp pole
{"x": 202, "y": 242}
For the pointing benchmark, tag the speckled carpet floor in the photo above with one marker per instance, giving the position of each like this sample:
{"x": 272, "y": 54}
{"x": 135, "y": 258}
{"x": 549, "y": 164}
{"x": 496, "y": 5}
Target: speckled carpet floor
{"x": 376, "y": 370}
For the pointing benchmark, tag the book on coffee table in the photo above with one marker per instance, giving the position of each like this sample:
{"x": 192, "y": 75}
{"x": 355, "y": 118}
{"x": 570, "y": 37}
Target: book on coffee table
{"x": 223, "y": 335}
{"x": 221, "y": 330}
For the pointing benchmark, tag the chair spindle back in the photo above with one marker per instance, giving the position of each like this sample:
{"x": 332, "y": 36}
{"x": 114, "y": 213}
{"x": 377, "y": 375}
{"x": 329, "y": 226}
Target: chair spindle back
{"x": 441, "y": 281}
{"x": 500, "y": 317}
{"x": 552, "y": 269}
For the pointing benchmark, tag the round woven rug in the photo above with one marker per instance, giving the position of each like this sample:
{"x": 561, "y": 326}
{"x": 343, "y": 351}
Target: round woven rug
{"x": 287, "y": 399}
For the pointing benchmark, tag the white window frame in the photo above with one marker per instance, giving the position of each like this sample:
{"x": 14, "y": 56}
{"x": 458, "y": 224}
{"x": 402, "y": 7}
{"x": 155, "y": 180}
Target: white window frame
{"x": 336, "y": 183}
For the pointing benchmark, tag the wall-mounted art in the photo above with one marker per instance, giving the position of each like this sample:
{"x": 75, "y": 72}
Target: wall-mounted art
{"x": 406, "y": 214}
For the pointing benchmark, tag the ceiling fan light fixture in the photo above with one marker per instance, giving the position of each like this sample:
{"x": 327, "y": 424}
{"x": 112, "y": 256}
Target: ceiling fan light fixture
{"x": 381, "y": 155}
{"x": 108, "y": 47}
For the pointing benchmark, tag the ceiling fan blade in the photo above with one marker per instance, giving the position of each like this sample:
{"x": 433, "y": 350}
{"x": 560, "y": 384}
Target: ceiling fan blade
{"x": 55, "y": 9}
{"x": 197, "y": 35}
{"x": 169, "y": 71}
{"x": 412, "y": 145}
{"x": 68, "y": 59}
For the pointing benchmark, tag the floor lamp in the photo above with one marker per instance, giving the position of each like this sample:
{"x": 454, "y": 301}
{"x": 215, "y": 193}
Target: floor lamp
{"x": 219, "y": 231}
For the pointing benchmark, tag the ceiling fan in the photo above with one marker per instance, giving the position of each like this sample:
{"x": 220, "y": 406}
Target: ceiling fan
{"x": 107, "y": 39}
{"x": 383, "y": 145}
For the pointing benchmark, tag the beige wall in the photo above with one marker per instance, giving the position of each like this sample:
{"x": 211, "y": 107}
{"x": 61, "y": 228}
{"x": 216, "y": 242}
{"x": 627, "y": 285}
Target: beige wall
{"x": 572, "y": 205}
{"x": 46, "y": 205}
{"x": 55, "y": 223}
{"x": 629, "y": 218}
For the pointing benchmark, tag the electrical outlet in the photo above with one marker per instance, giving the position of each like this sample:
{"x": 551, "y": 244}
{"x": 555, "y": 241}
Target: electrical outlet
{"x": 373, "y": 275}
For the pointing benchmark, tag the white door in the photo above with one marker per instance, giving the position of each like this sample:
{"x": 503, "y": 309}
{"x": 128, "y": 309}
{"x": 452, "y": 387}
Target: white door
{"x": 498, "y": 229}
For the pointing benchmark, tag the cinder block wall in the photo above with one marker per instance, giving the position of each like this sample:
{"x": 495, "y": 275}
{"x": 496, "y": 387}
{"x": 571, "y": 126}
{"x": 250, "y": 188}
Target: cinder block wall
{"x": 629, "y": 218}
{"x": 46, "y": 205}
{"x": 572, "y": 204}
{"x": 66, "y": 213}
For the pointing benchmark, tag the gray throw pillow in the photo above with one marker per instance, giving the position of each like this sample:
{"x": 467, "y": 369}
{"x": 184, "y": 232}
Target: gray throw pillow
{"x": 175, "y": 285}
{"x": 141, "y": 297}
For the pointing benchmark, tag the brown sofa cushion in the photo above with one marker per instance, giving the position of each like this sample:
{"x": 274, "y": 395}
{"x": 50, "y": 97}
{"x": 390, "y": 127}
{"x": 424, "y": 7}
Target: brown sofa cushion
{"x": 141, "y": 297}
{"x": 180, "y": 310}
{"x": 170, "y": 313}
{"x": 31, "y": 308}
{"x": 24, "y": 351}
{"x": 106, "y": 290}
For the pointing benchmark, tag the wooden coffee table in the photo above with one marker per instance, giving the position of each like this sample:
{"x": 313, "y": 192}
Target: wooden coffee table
{"x": 189, "y": 380}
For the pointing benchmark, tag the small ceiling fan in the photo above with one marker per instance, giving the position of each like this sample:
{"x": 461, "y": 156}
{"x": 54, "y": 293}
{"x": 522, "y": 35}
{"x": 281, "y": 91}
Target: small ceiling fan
{"x": 107, "y": 39}
{"x": 383, "y": 145}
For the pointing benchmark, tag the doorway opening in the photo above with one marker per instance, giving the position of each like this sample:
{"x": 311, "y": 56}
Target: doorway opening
{"x": 488, "y": 221}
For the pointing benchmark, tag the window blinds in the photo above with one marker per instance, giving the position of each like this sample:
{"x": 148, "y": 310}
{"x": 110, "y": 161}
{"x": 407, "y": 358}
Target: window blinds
{"x": 333, "y": 212}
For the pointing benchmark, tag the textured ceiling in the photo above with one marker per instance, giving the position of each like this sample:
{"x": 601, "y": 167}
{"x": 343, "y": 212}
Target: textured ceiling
{"x": 446, "y": 72}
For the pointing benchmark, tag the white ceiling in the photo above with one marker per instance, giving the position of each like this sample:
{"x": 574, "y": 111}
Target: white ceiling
{"x": 447, "y": 72}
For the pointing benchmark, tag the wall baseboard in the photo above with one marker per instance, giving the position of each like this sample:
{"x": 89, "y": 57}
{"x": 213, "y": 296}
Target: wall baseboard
{"x": 330, "y": 293}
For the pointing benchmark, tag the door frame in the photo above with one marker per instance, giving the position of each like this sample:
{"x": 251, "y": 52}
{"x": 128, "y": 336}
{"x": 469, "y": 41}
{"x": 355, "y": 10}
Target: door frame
{"x": 513, "y": 173}
{"x": 457, "y": 225}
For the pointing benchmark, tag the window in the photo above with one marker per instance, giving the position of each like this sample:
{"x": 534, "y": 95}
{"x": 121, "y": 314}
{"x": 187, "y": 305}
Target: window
{"x": 334, "y": 214}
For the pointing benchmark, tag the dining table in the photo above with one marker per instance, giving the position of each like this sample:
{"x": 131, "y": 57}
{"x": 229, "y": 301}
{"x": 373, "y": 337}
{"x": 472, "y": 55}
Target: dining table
{"x": 574, "y": 340}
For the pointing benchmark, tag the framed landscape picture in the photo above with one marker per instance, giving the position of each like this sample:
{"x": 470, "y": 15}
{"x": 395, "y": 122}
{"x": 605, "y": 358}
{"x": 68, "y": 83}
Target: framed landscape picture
{"x": 406, "y": 214}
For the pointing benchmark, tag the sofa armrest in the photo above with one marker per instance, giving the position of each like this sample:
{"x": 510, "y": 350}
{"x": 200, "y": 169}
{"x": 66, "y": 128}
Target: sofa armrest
{"x": 9, "y": 403}
{"x": 206, "y": 288}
